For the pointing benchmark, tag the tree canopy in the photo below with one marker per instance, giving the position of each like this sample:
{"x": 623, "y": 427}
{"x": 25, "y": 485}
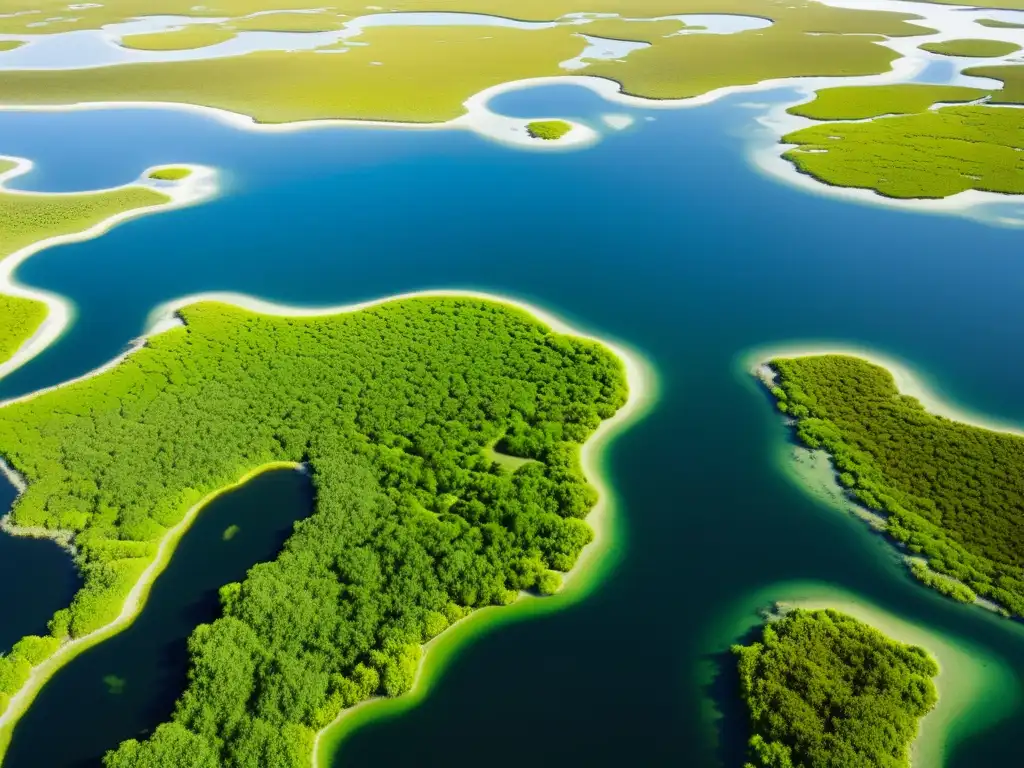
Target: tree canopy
{"x": 827, "y": 691}
{"x": 952, "y": 492}
{"x": 393, "y": 408}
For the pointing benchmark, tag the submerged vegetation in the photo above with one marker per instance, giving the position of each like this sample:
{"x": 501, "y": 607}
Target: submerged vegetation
{"x": 929, "y": 154}
{"x": 971, "y": 48}
{"x": 828, "y": 691}
{"x": 392, "y": 408}
{"x": 953, "y": 493}
{"x": 549, "y": 130}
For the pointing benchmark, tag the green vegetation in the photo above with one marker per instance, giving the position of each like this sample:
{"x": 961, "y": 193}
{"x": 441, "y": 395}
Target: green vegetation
{"x": 170, "y": 174}
{"x": 943, "y": 584}
{"x": 115, "y": 685}
{"x": 230, "y": 532}
{"x": 391, "y": 408}
{"x": 858, "y": 102}
{"x": 930, "y": 154}
{"x": 828, "y": 691}
{"x": 549, "y": 130}
{"x": 290, "y": 22}
{"x": 19, "y": 319}
{"x": 1013, "y": 81}
{"x": 184, "y": 39}
{"x": 952, "y": 493}
{"x": 10, "y": 45}
{"x": 29, "y": 218}
{"x": 425, "y": 74}
{"x": 971, "y": 48}
{"x": 997, "y": 24}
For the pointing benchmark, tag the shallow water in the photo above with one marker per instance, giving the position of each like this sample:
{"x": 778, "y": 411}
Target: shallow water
{"x": 127, "y": 685}
{"x": 663, "y": 236}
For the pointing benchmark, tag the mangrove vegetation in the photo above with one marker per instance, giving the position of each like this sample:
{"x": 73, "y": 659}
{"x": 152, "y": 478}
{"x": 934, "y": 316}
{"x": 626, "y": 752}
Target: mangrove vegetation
{"x": 952, "y": 493}
{"x": 550, "y": 130}
{"x": 394, "y": 409}
{"x": 824, "y": 690}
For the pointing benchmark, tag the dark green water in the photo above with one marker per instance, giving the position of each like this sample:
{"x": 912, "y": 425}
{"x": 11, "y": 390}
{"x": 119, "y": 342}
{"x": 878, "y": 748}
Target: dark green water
{"x": 661, "y": 236}
{"x": 128, "y": 684}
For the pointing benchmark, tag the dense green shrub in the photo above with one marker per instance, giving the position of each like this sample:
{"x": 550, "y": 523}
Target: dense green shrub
{"x": 548, "y": 129}
{"x": 953, "y": 493}
{"x": 392, "y": 408}
{"x": 826, "y": 691}
{"x": 19, "y": 319}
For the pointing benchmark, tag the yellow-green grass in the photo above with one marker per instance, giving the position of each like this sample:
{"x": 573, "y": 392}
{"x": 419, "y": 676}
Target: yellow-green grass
{"x": 853, "y": 102}
{"x": 638, "y": 31}
{"x": 27, "y": 219}
{"x": 1012, "y": 76}
{"x": 426, "y": 73}
{"x": 170, "y": 173}
{"x": 289, "y": 22}
{"x": 186, "y": 38}
{"x": 930, "y": 154}
{"x": 19, "y": 319}
{"x": 10, "y": 45}
{"x": 549, "y": 130}
{"x": 973, "y": 49}
{"x": 997, "y": 24}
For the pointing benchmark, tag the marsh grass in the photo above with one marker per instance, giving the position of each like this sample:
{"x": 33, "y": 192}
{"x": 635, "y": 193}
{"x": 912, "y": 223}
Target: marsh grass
{"x": 971, "y": 48}
{"x": 860, "y": 102}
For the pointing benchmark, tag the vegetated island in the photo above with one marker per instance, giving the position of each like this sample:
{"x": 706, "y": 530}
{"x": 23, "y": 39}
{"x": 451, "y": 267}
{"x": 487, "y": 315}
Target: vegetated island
{"x": 548, "y": 130}
{"x": 392, "y": 408}
{"x": 170, "y": 173}
{"x": 997, "y": 24}
{"x": 187, "y": 38}
{"x": 826, "y": 690}
{"x": 969, "y": 48}
{"x": 951, "y": 493}
{"x": 910, "y": 149}
{"x": 31, "y": 218}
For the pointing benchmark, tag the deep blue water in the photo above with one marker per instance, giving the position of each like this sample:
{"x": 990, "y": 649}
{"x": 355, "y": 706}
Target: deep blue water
{"x": 663, "y": 236}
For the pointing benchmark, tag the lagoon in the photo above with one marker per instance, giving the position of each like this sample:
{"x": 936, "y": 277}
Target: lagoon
{"x": 662, "y": 235}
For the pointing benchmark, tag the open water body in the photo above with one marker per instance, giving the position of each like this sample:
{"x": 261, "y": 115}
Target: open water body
{"x": 662, "y": 236}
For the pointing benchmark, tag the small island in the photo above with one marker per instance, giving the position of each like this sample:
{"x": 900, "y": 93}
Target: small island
{"x": 185, "y": 39}
{"x": 548, "y": 130}
{"x": 972, "y": 49}
{"x": 951, "y": 493}
{"x": 170, "y": 173}
{"x": 997, "y": 24}
{"x": 826, "y": 690}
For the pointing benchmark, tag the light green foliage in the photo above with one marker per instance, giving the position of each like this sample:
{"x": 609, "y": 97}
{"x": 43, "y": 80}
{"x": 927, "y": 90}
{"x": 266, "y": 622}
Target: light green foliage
{"x": 19, "y": 319}
{"x": 549, "y": 130}
{"x": 170, "y": 173}
{"x": 997, "y": 24}
{"x": 391, "y": 407}
{"x": 230, "y": 532}
{"x": 1013, "y": 81}
{"x": 943, "y": 584}
{"x": 187, "y": 38}
{"x": 35, "y": 650}
{"x": 971, "y": 48}
{"x": 549, "y": 582}
{"x": 953, "y": 493}
{"x": 10, "y": 45}
{"x": 828, "y": 691}
{"x": 926, "y": 155}
{"x": 858, "y": 102}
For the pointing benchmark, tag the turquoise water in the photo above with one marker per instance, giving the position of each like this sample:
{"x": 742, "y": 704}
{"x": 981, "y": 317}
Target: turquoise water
{"x": 662, "y": 236}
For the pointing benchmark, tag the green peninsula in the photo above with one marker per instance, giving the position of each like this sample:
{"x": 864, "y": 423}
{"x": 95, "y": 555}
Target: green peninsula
{"x": 184, "y": 39}
{"x": 30, "y": 218}
{"x": 971, "y": 48}
{"x": 826, "y": 690}
{"x": 859, "y": 102}
{"x": 392, "y": 408}
{"x": 952, "y": 493}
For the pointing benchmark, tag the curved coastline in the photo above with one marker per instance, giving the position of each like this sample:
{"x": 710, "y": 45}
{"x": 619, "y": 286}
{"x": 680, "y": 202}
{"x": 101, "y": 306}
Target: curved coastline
{"x": 909, "y": 381}
{"x": 133, "y": 605}
{"x": 975, "y": 689}
{"x": 596, "y": 559}
{"x": 200, "y": 185}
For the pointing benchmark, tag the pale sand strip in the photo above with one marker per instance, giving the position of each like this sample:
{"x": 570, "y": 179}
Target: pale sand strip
{"x": 200, "y": 185}
{"x": 640, "y": 376}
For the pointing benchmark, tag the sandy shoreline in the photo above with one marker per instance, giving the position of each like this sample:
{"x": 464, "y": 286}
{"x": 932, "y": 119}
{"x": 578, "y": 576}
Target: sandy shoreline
{"x": 642, "y": 384}
{"x": 908, "y": 381}
{"x": 198, "y": 186}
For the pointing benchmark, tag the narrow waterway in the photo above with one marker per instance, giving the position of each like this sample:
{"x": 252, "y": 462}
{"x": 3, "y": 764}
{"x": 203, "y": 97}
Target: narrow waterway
{"x": 126, "y": 686}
